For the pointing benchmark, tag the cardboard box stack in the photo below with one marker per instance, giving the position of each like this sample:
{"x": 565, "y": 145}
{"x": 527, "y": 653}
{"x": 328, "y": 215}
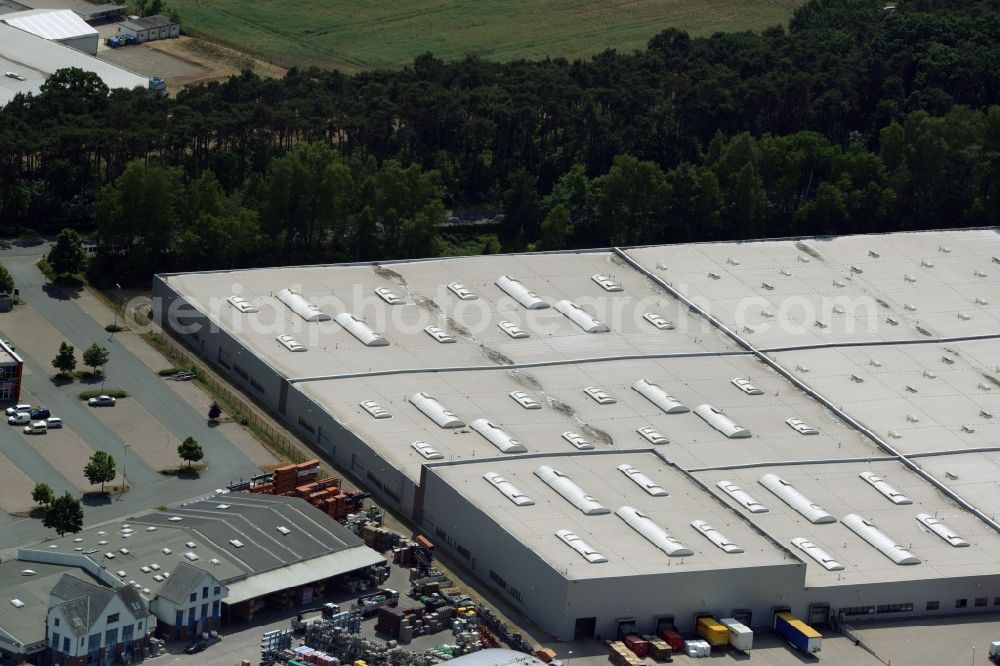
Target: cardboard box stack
{"x": 619, "y": 655}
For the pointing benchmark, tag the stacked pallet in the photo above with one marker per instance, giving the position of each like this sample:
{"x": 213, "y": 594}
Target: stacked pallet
{"x": 377, "y": 537}
{"x": 659, "y": 650}
{"x": 619, "y": 655}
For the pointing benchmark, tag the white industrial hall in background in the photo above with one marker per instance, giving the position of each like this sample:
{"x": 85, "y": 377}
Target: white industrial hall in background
{"x": 631, "y": 437}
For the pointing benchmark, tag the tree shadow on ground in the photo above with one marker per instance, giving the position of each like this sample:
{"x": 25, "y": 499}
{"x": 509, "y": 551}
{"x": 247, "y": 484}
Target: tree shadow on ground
{"x": 62, "y": 292}
{"x": 97, "y": 498}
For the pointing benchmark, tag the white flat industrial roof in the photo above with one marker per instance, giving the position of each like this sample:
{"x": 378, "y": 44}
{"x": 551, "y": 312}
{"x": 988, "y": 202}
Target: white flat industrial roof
{"x": 628, "y": 553}
{"x": 423, "y": 284}
{"x": 35, "y": 59}
{"x": 837, "y": 488}
{"x": 565, "y": 407}
{"x": 938, "y": 274}
{"x": 50, "y": 23}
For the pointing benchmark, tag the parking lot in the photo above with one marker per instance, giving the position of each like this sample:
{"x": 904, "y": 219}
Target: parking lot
{"x": 152, "y": 420}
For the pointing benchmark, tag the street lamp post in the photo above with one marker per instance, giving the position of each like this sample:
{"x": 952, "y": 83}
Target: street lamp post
{"x": 124, "y": 472}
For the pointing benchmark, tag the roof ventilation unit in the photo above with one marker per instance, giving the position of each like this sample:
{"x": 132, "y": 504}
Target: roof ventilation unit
{"x": 439, "y": 334}
{"x": 909, "y": 307}
{"x": 873, "y": 254}
{"x": 744, "y": 384}
{"x": 516, "y": 290}
{"x": 963, "y": 316}
{"x": 716, "y": 537}
{"x": 581, "y": 318}
{"x": 979, "y": 273}
{"x": 298, "y": 304}
{"x": 463, "y": 292}
{"x": 191, "y": 556}
{"x": 721, "y": 422}
{"x": 653, "y": 533}
{"x": 426, "y": 450}
{"x": 525, "y": 400}
{"x": 606, "y": 282}
{"x": 435, "y": 411}
{"x": 659, "y": 397}
{"x": 291, "y": 344}
{"x": 389, "y": 296}
{"x": 513, "y": 330}
{"x": 361, "y": 330}
{"x": 981, "y": 301}
{"x": 571, "y": 492}
{"x": 601, "y": 396}
{"x": 581, "y": 546}
{"x": 883, "y": 487}
{"x": 812, "y": 550}
{"x": 926, "y": 264}
{"x": 17, "y": 603}
{"x": 497, "y": 437}
{"x": 658, "y": 321}
{"x": 509, "y": 490}
{"x": 243, "y": 305}
{"x": 577, "y": 440}
{"x": 642, "y": 480}
{"x": 793, "y": 498}
{"x": 801, "y": 427}
{"x": 741, "y": 496}
{"x": 652, "y": 435}
{"x": 376, "y": 410}
{"x": 909, "y": 278}
{"x": 879, "y": 539}
{"x": 942, "y": 530}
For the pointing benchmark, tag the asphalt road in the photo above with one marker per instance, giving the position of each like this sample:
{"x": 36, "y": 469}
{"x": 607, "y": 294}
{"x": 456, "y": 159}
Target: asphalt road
{"x": 226, "y": 462}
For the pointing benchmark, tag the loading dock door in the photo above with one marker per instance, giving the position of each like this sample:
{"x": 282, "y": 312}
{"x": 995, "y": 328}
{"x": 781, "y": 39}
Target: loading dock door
{"x": 819, "y": 615}
{"x": 663, "y": 623}
{"x": 585, "y": 628}
{"x": 626, "y": 625}
{"x": 743, "y": 616}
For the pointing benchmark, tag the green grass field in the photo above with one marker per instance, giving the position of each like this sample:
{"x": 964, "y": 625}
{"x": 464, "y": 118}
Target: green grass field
{"x": 362, "y": 34}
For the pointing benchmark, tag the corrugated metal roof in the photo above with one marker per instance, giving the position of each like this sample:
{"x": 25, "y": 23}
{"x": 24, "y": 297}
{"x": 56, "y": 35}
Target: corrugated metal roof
{"x": 302, "y": 573}
{"x": 34, "y": 59}
{"x": 50, "y": 23}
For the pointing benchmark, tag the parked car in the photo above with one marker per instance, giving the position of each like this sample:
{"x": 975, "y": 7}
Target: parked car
{"x": 53, "y": 422}
{"x": 36, "y": 428}
{"x": 40, "y": 414}
{"x": 21, "y": 407}
{"x": 19, "y": 418}
{"x": 102, "y": 401}
{"x": 196, "y": 646}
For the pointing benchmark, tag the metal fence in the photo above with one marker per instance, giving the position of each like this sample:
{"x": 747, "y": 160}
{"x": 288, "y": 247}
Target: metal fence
{"x": 235, "y": 403}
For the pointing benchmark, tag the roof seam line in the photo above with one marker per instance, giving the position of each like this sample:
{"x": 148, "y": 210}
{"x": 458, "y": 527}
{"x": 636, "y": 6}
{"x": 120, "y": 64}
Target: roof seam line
{"x": 777, "y": 367}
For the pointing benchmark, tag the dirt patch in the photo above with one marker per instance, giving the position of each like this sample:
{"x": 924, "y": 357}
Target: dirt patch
{"x": 924, "y": 331}
{"x": 388, "y": 274}
{"x": 560, "y": 406}
{"x": 993, "y": 380}
{"x": 806, "y": 249}
{"x": 217, "y": 62}
{"x": 598, "y": 434}
{"x": 496, "y": 357}
{"x": 526, "y": 380}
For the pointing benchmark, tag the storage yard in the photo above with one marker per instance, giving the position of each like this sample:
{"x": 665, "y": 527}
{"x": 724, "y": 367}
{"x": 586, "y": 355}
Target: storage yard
{"x": 779, "y": 434}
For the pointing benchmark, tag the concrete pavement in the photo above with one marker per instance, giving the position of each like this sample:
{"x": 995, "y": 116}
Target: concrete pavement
{"x": 56, "y": 306}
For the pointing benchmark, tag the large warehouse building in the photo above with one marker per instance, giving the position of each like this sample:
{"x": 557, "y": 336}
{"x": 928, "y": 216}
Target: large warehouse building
{"x": 638, "y": 435}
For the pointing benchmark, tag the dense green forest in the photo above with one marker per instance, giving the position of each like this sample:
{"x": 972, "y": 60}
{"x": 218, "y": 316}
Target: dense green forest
{"x": 854, "y": 118}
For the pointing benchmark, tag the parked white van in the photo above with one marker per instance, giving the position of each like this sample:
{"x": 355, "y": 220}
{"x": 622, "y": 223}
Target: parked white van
{"x": 36, "y": 428}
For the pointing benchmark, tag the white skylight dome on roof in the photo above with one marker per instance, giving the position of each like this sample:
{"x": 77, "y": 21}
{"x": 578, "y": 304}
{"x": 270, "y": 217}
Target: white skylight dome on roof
{"x": 520, "y": 293}
{"x": 607, "y": 282}
{"x": 426, "y": 450}
{"x": 571, "y": 492}
{"x": 879, "y": 539}
{"x": 509, "y": 490}
{"x": 801, "y": 427}
{"x": 599, "y": 395}
{"x": 435, "y": 411}
{"x": 652, "y": 435}
{"x": 721, "y": 422}
{"x": 376, "y": 410}
{"x": 642, "y": 480}
{"x": 742, "y": 497}
{"x": 577, "y": 440}
{"x": 291, "y": 344}
{"x": 439, "y": 334}
{"x": 885, "y": 488}
{"x": 298, "y": 304}
{"x": 579, "y": 545}
{"x": 942, "y": 530}
{"x": 389, "y": 296}
{"x": 658, "y": 321}
{"x": 656, "y": 395}
{"x": 814, "y": 513}
{"x": 716, "y": 537}
{"x": 463, "y": 292}
{"x": 581, "y": 317}
{"x": 525, "y": 400}
{"x": 497, "y": 437}
{"x": 652, "y": 532}
{"x": 812, "y": 550}
{"x": 361, "y": 330}
{"x": 744, "y": 384}
{"x": 242, "y": 304}
{"x": 513, "y": 330}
